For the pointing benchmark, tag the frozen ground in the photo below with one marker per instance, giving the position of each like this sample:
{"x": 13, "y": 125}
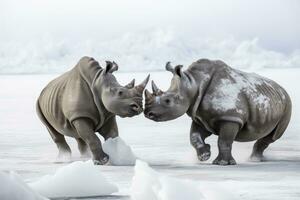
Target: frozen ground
{"x": 26, "y": 147}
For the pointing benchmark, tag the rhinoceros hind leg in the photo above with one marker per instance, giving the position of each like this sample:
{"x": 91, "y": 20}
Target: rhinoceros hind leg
{"x": 64, "y": 151}
{"x": 259, "y": 147}
{"x": 261, "y": 144}
{"x": 198, "y": 134}
{"x": 227, "y": 133}
{"x": 83, "y": 148}
{"x": 59, "y": 139}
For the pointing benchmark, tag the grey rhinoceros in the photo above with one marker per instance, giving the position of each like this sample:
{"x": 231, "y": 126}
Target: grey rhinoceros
{"x": 232, "y": 104}
{"x": 86, "y": 100}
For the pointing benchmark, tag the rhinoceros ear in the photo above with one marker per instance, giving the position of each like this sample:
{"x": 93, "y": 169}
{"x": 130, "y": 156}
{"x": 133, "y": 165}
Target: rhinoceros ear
{"x": 178, "y": 70}
{"x": 169, "y": 67}
{"x": 175, "y": 70}
{"x": 111, "y": 67}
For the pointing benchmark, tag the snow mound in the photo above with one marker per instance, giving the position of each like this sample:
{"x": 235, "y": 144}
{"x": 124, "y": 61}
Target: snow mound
{"x": 131, "y": 50}
{"x": 78, "y": 179}
{"x": 14, "y": 188}
{"x": 119, "y": 152}
{"x": 148, "y": 184}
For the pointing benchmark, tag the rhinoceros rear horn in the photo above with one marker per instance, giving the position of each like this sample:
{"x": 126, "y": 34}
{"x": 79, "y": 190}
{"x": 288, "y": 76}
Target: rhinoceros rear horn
{"x": 131, "y": 84}
{"x": 155, "y": 89}
{"x": 111, "y": 67}
{"x": 148, "y": 95}
{"x": 142, "y": 85}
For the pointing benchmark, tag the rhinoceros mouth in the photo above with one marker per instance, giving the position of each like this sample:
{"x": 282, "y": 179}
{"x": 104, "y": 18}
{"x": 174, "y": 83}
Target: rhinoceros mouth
{"x": 131, "y": 113}
{"x": 152, "y": 116}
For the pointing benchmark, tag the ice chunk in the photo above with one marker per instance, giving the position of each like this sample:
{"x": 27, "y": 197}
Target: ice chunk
{"x": 147, "y": 184}
{"x": 78, "y": 179}
{"x": 119, "y": 152}
{"x": 14, "y": 188}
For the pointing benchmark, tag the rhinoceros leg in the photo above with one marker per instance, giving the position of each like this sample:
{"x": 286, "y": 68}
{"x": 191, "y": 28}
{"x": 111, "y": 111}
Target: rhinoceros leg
{"x": 109, "y": 129}
{"x": 259, "y": 147}
{"x": 198, "y": 134}
{"x": 85, "y": 130}
{"x": 63, "y": 148}
{"x": 261, "y": 144}
{"x": 83, "y": 147}
{"x": 59, "y": 139}
{"x": 227, "y": 133}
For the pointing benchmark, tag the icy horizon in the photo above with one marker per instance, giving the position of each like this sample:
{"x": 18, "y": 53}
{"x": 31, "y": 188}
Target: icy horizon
{"x": 148, "y": 51}
{"x": 41, "y": 37}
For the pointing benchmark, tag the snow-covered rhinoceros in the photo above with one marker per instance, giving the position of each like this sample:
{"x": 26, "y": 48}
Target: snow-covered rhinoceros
{"x": 86, "y": 100}
{"x": 234, "y": 105}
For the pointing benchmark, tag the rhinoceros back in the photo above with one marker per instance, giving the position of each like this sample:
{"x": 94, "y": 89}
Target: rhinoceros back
{"x": 65, "y": 99}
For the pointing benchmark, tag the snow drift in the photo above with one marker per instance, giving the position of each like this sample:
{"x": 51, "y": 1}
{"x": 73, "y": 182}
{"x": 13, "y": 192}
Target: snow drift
{"x": 138, "y": 51}
{"x": 147, "y": 184}
{"x": 14, "y": 188}
{"x": 78, "y": 179}
{"x": 119, "y": 152}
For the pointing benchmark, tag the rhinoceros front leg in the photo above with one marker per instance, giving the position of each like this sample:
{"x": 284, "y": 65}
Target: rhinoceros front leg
{"x": 83, "y": 148}
{"x": 85, "y": 130}
{"x": 198, "y": 134}
{"x": 109, "y": 129}
{"x": 227, "y": 134}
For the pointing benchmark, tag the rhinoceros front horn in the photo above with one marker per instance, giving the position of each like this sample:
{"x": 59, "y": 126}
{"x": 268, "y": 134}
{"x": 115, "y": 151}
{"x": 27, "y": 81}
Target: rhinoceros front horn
{"x": 155, "y": 89}
{"x": 142, "y": 85}
{"x": 131, "y": 84}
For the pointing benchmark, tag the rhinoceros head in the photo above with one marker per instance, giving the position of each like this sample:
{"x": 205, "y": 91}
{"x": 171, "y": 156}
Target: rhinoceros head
{"x": 124, "y": 101}
{"x": 168, "y": 105}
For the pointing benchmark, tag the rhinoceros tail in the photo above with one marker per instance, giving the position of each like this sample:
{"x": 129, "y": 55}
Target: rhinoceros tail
{"x": 284, "y": 122}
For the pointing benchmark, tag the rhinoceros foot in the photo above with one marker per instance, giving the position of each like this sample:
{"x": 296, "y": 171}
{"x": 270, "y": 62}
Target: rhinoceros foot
{"x": 204, "y": 152}
{"x": 101, "y": 161}
{"x": 63, "y": 157}
{"x": 223, "y": 161}
{"x": 256, "y": 157}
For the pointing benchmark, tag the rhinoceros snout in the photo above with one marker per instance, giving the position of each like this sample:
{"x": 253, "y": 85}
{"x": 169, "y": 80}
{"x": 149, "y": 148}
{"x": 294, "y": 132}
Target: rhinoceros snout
{"x": 135, "y": 108}
{"x": 150, "y": 115}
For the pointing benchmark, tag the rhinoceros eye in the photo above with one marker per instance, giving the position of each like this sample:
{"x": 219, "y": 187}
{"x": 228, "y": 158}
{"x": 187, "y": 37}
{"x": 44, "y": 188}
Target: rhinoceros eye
{"x": 120, "y": 93}
{"x": 168, "y": 101}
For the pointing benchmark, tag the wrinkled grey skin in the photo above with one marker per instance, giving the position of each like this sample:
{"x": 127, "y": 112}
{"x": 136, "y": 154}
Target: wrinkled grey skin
{"x": 234, "y": 105}
{"x": 86, "y": 100}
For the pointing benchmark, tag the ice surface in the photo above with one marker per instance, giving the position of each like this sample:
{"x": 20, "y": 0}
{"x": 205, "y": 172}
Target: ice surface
{"x": 119, "y": 152}
{"x": 27, "y": 148}
{"x": 147, "y": 184}
{"x": 12, "y": 187}
{"x": 78, "y": 179}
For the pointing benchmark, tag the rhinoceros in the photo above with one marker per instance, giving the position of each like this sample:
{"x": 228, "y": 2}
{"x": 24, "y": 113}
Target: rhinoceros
{"x": 235, "y": 105}
{"x": 86, "y": 100}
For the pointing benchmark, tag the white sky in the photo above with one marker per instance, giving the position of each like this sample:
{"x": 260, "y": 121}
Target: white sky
{"x": 276, "y": 23}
